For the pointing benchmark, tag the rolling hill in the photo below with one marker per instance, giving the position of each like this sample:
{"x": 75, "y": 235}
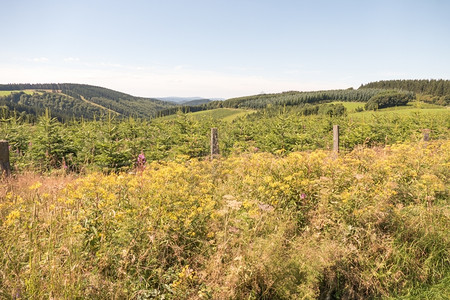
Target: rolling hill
{"x": 428, "y": 91}
{"x": 187, "y": 100}
{"x": 69, "y": 100}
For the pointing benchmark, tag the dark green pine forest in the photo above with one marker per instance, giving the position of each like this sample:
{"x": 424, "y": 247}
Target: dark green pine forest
{"x": 433, "y": 87}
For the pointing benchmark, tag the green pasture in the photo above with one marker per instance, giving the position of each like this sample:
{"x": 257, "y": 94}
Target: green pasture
{"x": 350, "y": 106}
{"x": 428, "y": 111}
{"x": 223, "y": 114}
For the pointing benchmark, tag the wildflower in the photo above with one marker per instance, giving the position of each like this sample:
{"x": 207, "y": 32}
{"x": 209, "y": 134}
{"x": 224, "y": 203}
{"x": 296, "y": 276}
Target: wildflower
{"x": 303, "y": 196}
{"x": 64, "y": 165}
{"x": 254, "y": 149}
{"x": 141, "y": 160}
{"x": 35, "y": 186}
{"x": 12, "y": 217}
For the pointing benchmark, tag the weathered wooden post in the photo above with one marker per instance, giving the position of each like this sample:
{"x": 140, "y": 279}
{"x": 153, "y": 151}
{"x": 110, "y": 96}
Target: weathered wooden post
{"x": 336, "y": 138}
{"x": 5, "y": 167}
{"x": 426, "y": 135}
{"x": 214, "y": 142}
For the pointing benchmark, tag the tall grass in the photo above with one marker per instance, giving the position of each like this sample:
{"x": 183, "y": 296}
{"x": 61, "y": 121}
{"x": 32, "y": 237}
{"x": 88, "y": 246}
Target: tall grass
{"x": 372, "y": 223}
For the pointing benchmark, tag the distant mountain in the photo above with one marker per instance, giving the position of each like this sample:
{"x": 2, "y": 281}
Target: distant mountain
{"x": 189, "y": 100}
{"x": 196, "y": 102}
{"x": 67, "y": 100}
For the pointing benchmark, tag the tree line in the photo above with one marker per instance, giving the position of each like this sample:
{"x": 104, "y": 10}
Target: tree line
{"x": 438, "y": 90}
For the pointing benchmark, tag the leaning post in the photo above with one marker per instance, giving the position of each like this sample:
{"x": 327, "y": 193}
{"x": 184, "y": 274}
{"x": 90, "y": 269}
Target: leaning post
{"x": 214, "y": 142}
{"x": 5, "y": 167}
{"x": 336, "y": 138}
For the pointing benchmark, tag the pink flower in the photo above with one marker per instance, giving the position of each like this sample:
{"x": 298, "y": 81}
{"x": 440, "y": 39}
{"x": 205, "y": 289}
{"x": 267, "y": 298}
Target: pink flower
{"x": 64, "y": 165}
{"x": 141, "y": 160}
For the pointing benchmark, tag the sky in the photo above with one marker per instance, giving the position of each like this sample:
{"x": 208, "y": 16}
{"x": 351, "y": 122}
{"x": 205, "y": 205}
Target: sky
{"x": 223, "y": 48}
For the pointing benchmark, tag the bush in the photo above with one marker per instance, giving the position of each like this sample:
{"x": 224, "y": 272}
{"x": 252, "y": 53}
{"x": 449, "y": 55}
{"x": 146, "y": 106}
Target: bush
{"x": 388, "y": 99}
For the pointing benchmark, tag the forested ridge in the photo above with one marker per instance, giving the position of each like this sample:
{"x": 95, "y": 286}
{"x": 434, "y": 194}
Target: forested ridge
{"x": 293, "y": 98}
{"x": 435, "y": 87}
{"x": 68, "y": 100}
{"x": 431, "y": 90}
{"x": 62, "y": 106}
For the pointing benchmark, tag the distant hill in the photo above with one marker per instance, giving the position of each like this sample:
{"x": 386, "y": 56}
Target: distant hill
{"x": 196, "y": 102}
{"x": 67, "y": 100}
{"x": 189, "y": 100}
{"x": 286, "y": 99}
{"x": 432, "y": 91}
{"x": 179, "y": 99}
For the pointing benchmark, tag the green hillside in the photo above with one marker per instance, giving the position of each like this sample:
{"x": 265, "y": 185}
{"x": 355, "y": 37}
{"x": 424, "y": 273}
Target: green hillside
{"x": 219, "y": 114}
{"x": 308, "y": 102}
{"x": 66, "y": 101}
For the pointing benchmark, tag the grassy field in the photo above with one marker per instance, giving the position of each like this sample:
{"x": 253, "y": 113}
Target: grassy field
{"x": 224, "y": 114}
{"x": 412, "y": 107}
{"x": 350, "y": 106}
{"x": 369, "y": 224}
{"x": 408, "y": 110}
{"x": 6, "y": 93}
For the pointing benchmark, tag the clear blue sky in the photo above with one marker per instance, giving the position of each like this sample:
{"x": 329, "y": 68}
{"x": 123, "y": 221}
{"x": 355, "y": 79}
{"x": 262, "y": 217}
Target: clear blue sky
{"x": 225, "y": 48}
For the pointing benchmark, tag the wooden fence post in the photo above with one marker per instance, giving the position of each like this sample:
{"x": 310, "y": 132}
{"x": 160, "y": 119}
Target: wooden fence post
{"x": 214, "y": 142}
{"x": 426, "y": 135}
{"x": 336, "y": 138}
{"x": 5, "y": 167}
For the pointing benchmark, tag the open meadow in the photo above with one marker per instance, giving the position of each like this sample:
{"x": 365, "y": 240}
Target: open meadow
{"x": 113, "y": 209}
{"x": 372, "y": 223}
{"x": 220, "y": 114}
